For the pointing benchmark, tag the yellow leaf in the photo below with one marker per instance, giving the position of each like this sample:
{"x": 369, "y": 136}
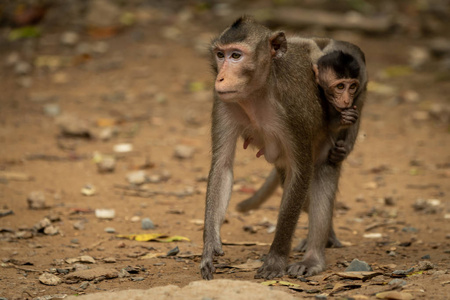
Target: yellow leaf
{"x": 156, "y": 237}
{"x": 172, "y": 239}
{"x": 279, "y": 282}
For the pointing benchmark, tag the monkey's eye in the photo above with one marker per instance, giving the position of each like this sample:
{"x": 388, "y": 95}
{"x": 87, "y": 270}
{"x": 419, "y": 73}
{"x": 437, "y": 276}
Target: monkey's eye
{"x": 340, "y": 86}
{"x": 220, "y": 55}
{"x": 236, "y": 55}
{"x": 353, "y": 86}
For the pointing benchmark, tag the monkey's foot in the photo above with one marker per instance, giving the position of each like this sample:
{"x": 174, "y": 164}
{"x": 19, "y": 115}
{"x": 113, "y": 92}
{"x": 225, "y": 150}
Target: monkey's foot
{"x": 207, "y": 266}
{"x": 308, "y": 267}
{"x": 332, "y": 242}
{"x": 274, "y": 266}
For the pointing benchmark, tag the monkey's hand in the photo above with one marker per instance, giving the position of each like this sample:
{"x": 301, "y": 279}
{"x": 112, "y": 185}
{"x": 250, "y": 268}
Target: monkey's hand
{"x": 338, "y": 153}
{"x": 349, "y": 116}
{"x": 207, "y": 266}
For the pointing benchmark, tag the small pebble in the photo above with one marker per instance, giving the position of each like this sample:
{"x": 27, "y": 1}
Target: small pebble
{"x": 137, "y": 278}
{"x": 146, "y": 223}
{"x": 397, "y": 282}
{"x": 110, "y": 230}
{"x": 137, "y": 177}
{"x": 74, "y": 241}
{"x": 358, "y": 266}
{"x": 88, "y": 190}
{"x": 425, "y": 265}
{"x": 52, "y": 110}
{"x": 105, "y": 213}
{"x": 135, "y": 219}
{"x": 109, "y": 260}
{"x": 183, "y": 152}
{"x": 427, "y": 256}
{"x": 123, "y": 148}
{"x": 36, "y": 200}
{"x": 69, "y": 38}
{"x": 173, "y": 251}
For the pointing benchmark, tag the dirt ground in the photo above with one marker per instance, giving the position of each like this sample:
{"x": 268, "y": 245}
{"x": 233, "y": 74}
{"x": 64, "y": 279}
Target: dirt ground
{"x": 154, "y": 87}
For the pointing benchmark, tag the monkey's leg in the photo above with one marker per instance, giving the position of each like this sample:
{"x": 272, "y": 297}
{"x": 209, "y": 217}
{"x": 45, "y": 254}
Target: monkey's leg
{"x": 295, "y": 194}
{"x": 261, "y": 195}
{"x": 332, "y": 242}
{"x": 323, "y": 190}
{"x": 220, "y": 182}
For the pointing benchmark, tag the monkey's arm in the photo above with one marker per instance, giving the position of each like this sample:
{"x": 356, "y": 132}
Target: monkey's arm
{"x": 220, "y": 181}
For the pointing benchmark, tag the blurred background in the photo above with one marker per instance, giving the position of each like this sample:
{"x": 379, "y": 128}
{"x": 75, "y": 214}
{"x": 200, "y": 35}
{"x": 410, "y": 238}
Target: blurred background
{"x": 105, "y": 119}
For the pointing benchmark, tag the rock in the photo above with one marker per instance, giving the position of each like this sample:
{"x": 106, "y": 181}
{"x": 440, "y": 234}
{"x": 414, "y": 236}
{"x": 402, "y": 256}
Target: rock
{"x": 375, "y": 235}
{"x": 137, "y": 278}
{"x": 137, "y": 177}
{"x": 427, "y": 256}
{"x": 393, "y": 295}
{"x": 135, "y": 219}
{"x": 102, "y": 13}
{"x": 358, "y": 266}
{"x": 52, "y": 110}
{"x": 397, "y": 282}
{"x": 403, "y": 272}
{"x": 99, "y": 273}
{"x": 410, "y": 229}
{"x": 107, "y": 164}
{"x": 88, "y": 190}
{"x": 146, "y": 223}
{"x": 51, "y": 230}
{"x": 42, "y": 224}
{"x": 123, "y": 148}
{"x": 78, "y": 225}
{"x": 173, "y": 251}
{"x": 109, "y": 260}
{"x": 70, "y": 38}
{"x": 110, "y": 230}
{"x": 425, "y": 265}
{"x": 82, "y": 259}
{"x": 71, "y": 125}
{"x": 418, "y": 57}
{"x": 12, "y": 59}
{"x": 103, "y": 213}
{"x": 49, "y": 279}
{"x": 36, "y": 200}
{"x": 22, "y": 68}
{"x": 124, "y": 273}
{"x": 183, "y": 152}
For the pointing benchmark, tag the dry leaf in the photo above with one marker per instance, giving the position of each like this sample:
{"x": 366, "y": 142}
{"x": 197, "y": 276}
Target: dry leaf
{"x": 156, "y": 237}
{"x": 153, "y": 255}
{"x": 339, "y": 287}
{"x": 280, "y": 283}
{"x": 355, "y": 275}
{"x": 249, "y": 265}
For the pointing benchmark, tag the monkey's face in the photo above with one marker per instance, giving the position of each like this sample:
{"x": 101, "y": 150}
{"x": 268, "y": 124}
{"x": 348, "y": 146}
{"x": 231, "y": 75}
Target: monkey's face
{"x": 339, "y": 92}
{"x": 235, "y": 69}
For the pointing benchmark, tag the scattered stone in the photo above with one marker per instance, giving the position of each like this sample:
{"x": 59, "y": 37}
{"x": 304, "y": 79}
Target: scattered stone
{"x": 425, "y": 265}
{"x": 79, "y": 267}
{"x": 51, "y": 230}
{"x": 418, "y": 57}
{"x": 97, "y": 274}
{"x": 135, "y": 219}
{"x": 22, "y": 68}
{"x": 137, "y": 278}
{"x": 81, "y": 259}
{"x": 36, "y": 200}
{"x": 146, "y": 223}
{"x": 52, "y": 110}
{"x": 389, "y": 201}
{"x": 184, "y": 152}
{"x": 107, "y": 164}
{"x": 124, "y": 273}
{"x": 397, "y": 282}
{"x": 70, "y": 38}
{"x": 137, "y": 177}
{"x": 410, "y": 229}
{"x": 73, "y": 126}
{"x": 109, "y": 260}
{"x": 6, "y": 212}
{"x": 375, "y": 235}
{"x": 88, "y": 190}
{"x": 392, "y": 253}
{"x": 74, "y": 241}
{"x": 123, "y": 148}
{"x": 173, "y": 252}
{"x": 24, "y": 234}
{"x": 42, "y": 224}
{"x": 103, "y": 213}
{"x": 402, "y": 273}
{"x": 78, "y": 225}
{"x": 49, "y": 279}
{"x": 358, "y": 266}
{"x": 426, "y": 256}
{"x": 110, "y": 230}
{"x": 12, "y": 59}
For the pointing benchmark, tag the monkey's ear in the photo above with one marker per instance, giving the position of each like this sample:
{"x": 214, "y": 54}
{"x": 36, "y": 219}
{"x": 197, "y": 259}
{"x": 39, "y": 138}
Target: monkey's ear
{"x": 278, "y": 44}
{"x": 316, "y": 72}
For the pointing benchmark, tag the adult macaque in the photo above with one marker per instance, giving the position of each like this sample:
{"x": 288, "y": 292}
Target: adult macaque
{"x": 334, "y": 63}
{"x": 265, "y": 91}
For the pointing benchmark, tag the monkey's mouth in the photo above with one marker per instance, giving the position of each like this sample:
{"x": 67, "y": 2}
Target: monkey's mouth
{"x": 226, "y": 92}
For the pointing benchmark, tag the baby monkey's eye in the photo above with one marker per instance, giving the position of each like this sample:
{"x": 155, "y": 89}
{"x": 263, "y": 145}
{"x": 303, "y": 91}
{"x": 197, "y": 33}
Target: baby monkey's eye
{"x": 220, "y": 55}
{"x": 340, "y": 86}
{"x": 353, "y": 86}
{"x": 236, "y": 55}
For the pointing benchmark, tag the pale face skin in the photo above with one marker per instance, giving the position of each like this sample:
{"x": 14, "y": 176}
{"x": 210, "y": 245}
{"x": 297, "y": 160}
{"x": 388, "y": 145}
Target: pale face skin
{"x": 340, "y": 92}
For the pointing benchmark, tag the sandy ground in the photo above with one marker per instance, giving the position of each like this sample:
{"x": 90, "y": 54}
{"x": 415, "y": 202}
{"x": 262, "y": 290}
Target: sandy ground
{"x": 157, "y": 93}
